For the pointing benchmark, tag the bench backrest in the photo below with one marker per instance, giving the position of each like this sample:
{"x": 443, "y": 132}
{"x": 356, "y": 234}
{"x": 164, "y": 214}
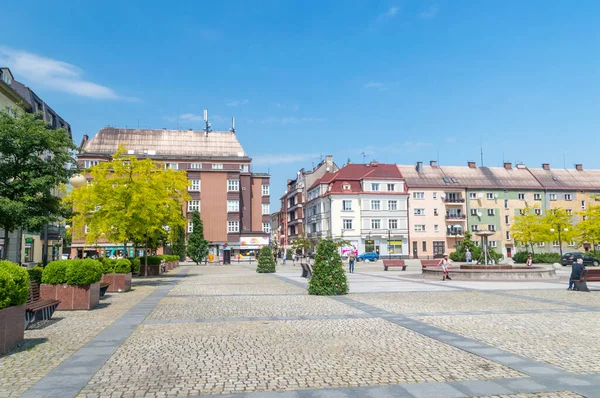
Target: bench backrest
{"x": 430, "y": 263}
{"x": 34, "y": 292}
{"x": 391, "y": 263}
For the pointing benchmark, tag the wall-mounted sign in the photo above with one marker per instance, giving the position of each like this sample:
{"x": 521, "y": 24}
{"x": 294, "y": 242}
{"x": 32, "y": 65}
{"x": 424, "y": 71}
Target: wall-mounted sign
{"x": 253, "y": 240}
{"x": 395, "y": 242}
{"x": 369, "y": 242}
{"x": 28, "y": 241}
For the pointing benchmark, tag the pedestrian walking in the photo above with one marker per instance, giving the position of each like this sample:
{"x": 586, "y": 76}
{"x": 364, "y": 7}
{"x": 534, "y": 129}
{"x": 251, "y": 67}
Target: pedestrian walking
{"x": 529, "y": 261}
{"x": 468, "y": 256}
{"x": 445, "y": 264}
{"x": 351, "y": 260}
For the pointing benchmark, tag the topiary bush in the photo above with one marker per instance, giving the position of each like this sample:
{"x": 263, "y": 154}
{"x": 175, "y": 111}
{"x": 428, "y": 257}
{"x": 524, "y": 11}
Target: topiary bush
{"x": 520, "y": 257}
{"x": 83, "y": 272}
{"x": 328, "y": 276}
{"x": 122, "y": 266}
{"x": 266, "y": 263}
{"x": 14, "y": 284}
{"x": 35, "y": 274}
{"x": 55, "y": 272}
{"x": 108, "y": 264}
{"x": 136, "y": 265}
{"x": 153, "y": 260}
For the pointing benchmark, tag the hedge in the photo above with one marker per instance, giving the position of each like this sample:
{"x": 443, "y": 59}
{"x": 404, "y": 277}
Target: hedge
{"x": 168, "y": 258}
{"x": 35, "y": 274}
{"x": 538, "y": 258}
{"x": 73, "y": 272}
{"x": 119, "y": 266}
{"x": 152, "y": 260}
{"x": 136, "y": 265}
{"x": 14, "y": 284}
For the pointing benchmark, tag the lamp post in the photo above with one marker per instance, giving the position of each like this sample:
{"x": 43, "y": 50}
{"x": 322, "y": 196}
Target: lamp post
{"x": 559, "y": 228}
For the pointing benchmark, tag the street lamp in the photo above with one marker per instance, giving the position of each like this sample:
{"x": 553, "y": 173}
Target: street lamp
{"x": 77, "y": 180}
{"x": 559, "y": 229}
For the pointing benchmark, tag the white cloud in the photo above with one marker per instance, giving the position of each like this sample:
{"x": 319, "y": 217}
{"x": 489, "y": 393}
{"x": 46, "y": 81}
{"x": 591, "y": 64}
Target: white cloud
{"x": 237, "y": 102}
{"x": 283, "y": 158}
{"x": 376, "y": 85}
{"x": 390, "y": 13}
{"x": 55, "y": 75}
{"x": 431, "y": 12}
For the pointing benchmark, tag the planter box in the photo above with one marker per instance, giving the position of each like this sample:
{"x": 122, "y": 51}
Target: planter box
{"x": 12, "y": 327}
{"x": 72, "y": 297}
{"x": 153, "y": 270}
{"x": 170, "y": 265}
{"x": 117, "y": 282}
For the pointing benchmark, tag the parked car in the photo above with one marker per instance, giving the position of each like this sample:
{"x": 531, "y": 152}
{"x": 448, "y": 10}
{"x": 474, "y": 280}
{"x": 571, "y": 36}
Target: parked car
{"x": 570, "y": 258}
{"x": 371, "y": 256}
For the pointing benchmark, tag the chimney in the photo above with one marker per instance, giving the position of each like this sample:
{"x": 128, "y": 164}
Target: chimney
{"x": 579, "y": 167}
{"x": 471, "y": 165}
{"x": 374, "y": 163}
{"x": 546, "y": 166}
{"x": 419, "y": 167}
{"x": 84, "y": 140}
{"x": 507, "y": 165}
{"x": 433, "y": 163}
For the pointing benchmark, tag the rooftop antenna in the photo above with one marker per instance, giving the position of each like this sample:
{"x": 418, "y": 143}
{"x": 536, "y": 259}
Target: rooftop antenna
{"x": 206, "y": 123}
{"x": 233, "y": 125}
{"x": 364, "y": 155}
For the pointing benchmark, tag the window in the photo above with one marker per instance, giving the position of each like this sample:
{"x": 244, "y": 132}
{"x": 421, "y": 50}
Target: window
{"x": 392, "y": 205}
{"x": 85, "y": 229}
{"x": 583, "y": 218}
{"x": 568, "y": 196}
{"x": 571, "y": 244}
{"x": 375, "y": 224}
{"x": 193, "y": 205}
{"x": 233, "y": 226}
{"x": 266, "y": 208}
{"x": 537, "y": 196}
{"x": 233, "y": 205}
{"x": 491, "y": 212}
{"x": 446, "y": 180}
{"x": 244, "y": 168}
{"x": 569, "y": 211}
{"x": 507, "y": 219}
{"x": 374, "y": 187}
{"x": 419, "y": 212}
{"x": 555, "y": 243}
{"x": 171, "y": 166}
{"x": 472, "y": 195}
{"x": 489, "y": 195}
{"x": 195, "y": 185}
{"x": 346, "y": 205}
{"x": 542, "y": 244}
{"x": 435, "y": 212}
{"x": 474, "y": 228}
{"x": 493, "y": 243}
{"x": 552, "y": 196}
{"x": 491, "y": 227}
{"x": 507, "y": 235}
{"x": 217, "y": 166}
{"x": 393, "y": 223}
{"x": 266, "y": 227}
{"x": 190, "y": 227}
{"x": 346, "y": 187}
{"x": 90, "y": 163}
{"x": 436, "y": 228}
{"x": 424, "y": 246}
{"x": 391, "y": 187}
{"x": 196, "y": 166}
{"x": 506, "y": 203}
{"x": 419, "y": 228}
{"x": 473, "y": 212}
{"x": 266, "y": 189}
{"x": 435, "y": 195}
{"x": 347, "y": 223}
{"x": 233, "y": 185}
{"x": 418, "y": 195}
{"x": 375, "y": 205}
{"x": 521, "y": 196}
{"x": 583, "y": 204}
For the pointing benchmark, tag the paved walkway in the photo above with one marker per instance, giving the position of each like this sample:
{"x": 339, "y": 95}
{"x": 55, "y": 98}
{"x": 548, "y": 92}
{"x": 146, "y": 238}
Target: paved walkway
{"x": 227, "y": 330}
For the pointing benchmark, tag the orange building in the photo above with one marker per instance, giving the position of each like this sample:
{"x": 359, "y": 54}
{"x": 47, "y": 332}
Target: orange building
{"x": 233, "y": 202}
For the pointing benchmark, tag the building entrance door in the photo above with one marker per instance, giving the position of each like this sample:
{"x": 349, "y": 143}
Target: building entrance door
{"x": 509, "y": 252}
{"x": 439, "y": 247}
{"x": 415, "y": 250}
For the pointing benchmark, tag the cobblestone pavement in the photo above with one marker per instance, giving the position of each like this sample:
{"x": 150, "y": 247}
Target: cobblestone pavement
{"x": 48, "y": 343}
{"x": 228, "y": 330}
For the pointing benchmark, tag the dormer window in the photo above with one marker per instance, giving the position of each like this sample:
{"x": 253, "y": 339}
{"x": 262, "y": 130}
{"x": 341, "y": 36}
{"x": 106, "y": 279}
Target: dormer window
{"x": 346, "y": 187}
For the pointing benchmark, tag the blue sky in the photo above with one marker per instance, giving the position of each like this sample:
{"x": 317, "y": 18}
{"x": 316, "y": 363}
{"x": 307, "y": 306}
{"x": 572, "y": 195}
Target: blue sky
{"x": 400, "y": 81}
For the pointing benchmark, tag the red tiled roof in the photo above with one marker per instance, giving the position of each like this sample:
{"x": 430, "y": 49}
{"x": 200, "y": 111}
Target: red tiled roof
{"x": 352, "y": 174}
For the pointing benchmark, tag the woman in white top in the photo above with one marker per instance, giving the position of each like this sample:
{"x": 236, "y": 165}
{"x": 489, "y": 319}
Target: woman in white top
{"x": 445, "y": 264}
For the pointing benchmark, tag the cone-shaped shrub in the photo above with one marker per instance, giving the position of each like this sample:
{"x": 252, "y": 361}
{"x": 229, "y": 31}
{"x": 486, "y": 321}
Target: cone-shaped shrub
{"x": 328, "y": 276}
{"x": 266, "y": 264}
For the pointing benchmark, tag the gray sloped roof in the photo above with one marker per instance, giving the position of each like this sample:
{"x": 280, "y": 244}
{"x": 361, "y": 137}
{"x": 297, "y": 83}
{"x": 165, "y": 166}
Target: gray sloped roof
{"x": 175, "y": 143}
{"x": 568, "y": 179}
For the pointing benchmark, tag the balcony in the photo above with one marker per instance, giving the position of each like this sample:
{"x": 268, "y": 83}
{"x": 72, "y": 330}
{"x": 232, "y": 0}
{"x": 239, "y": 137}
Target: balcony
{"x": 454, "y": 201}
{"x": 456, "y": 217}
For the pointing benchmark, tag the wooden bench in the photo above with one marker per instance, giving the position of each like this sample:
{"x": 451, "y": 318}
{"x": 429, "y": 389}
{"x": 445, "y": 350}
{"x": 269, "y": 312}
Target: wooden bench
{"x": 592, "y": 275}
{"x": 394, "y": 263}
{"x": 37, "y": 309}
{"x": 306, "y": 270}
{"x": 430, "y": 263}
{"x": 103, "y": 288}
{"x": 587, "y": 275}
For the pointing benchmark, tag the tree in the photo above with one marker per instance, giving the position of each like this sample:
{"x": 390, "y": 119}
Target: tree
{"x": 34, "y": 161}
{"x": 266, "y": 263}
{"x": 587, "y": 229}
{"x": 303, "y": 244}
{"x": 197, "y": 246}
{"x": 178, "y": 243}
{"x": 130, "y": 200}
{"x": 528, "y": 229}
{"x": 557, "y": 225}
{"x": 328, "y": 276}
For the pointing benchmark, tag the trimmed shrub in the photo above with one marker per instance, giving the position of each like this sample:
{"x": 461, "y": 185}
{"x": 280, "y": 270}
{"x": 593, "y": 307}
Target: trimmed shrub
{"x": 122, "y": 266}
{"x": 266, "y": 263}
{"x": 547, "y": 258}
{"x": 14, "y": 284}
{"x": 328, "y": 277}
{"x": 152, "y": 260}
{"x": 108, "y": 264}
{"x": 520, "y": 257}
{"x": 35, "y": 274}
{"x": 55, "y": 272}
{"x": 136, "y": 265}
{"x": 84, "y": 272}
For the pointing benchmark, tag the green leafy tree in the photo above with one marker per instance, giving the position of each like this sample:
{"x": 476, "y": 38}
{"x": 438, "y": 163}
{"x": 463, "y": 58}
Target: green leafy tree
{"x": 266, "y": 263}
{"x": 302, "y": 244}
{"x": 178, "y": 244}
{"x": 197, "y": 247}
{"x": 328, "y": 276}
{"x": 130, "y": 200}
{"x": 557, "y": 225}
{"x": 33, "y": 165}
{"x": 587, "y": 229}
{"x": 529, "y": 229}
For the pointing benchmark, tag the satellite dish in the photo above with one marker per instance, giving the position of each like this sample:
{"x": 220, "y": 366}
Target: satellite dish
{"x": 496, "y": 195}
{"x": 480, "y": 195}
{"x": 443, "y": 196}
{"x": 479, "y": 214}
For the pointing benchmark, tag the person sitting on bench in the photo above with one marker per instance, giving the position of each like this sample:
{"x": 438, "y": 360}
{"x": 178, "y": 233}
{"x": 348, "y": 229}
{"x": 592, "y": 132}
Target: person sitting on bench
{"x": 578, "y": 267}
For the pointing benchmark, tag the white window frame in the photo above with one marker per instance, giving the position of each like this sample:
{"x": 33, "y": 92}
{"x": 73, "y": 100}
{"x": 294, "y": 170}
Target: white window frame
{"x": 266, "y": 190}
{"x": 190, "y": 227}
{"x": 194, "y": 185}
{"x": 506, "y": 203}
{"x": 538, "y": 211}
{"x": 233, "y": 185}
{"x": 552, "y": 196}
{"x": 507, "y": 235}
{"x": 419, "y": 227}
{"x": 507, "y": 219}
{"x": 419, "y": 195}
{"x": 375, "y": 187}
{"x": 555, "y": 243}
{"x": 346, "y": 187}
{"x": 233, "y": 206}
{"x": 196, "y": 166}
{"x": 474, "y": 227}
{"x": 347, "y": 224}
{"x": 267, "y": 207}
{"x": 375, "y": 223}
{"x": 583, "y": 205}
{"x": 90, "y": 163}
{"x": 395, "y": 205}
{"x": 217, "y": 166}
{"x": 568, "y": 196}
{"x": 378, "y": 202}
{"x": 266, "y": 227}
{"x": 472, "y": 195}
{"x": 233, "y": 226}
{"x": 537, "y": 196}
{"x": 392, "y": 186}
{"x": 489, "y": 196}
{"x": 474, "y": 212}
{"x": 542, "y": 244}
{"x": 171, "y": 166}
{"x": 493, "y": 243}
{"x": 193, "y": 205}
{"x": 419, "y": 212}
{"x": 492, "y": 227}
{"x": 521, "y": 196}
{"x": 244, "y": 168}
{"x": 491, "y": 212}
{"x": 393, "y": 221}
{"x": 346, "y": 205}
{"x": 436, "y": 228}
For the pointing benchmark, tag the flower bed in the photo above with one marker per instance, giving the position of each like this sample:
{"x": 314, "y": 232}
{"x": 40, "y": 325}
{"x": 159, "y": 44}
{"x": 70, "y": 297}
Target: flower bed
{"x": 76, "y": 283}
{"x": 14, "y": 290}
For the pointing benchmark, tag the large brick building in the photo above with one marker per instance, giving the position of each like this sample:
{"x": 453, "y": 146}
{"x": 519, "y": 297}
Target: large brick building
{"x": 234, "y": 203}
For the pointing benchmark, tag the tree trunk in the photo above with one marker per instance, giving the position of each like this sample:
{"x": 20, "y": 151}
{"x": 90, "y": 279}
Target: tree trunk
{"x": 125, "y": 252}
{"x": 146, "y": 259}
{"x": 5, "y": 251}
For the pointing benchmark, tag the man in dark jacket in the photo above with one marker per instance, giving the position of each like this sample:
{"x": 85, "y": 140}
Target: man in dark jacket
{"x": 578, "y": 267}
